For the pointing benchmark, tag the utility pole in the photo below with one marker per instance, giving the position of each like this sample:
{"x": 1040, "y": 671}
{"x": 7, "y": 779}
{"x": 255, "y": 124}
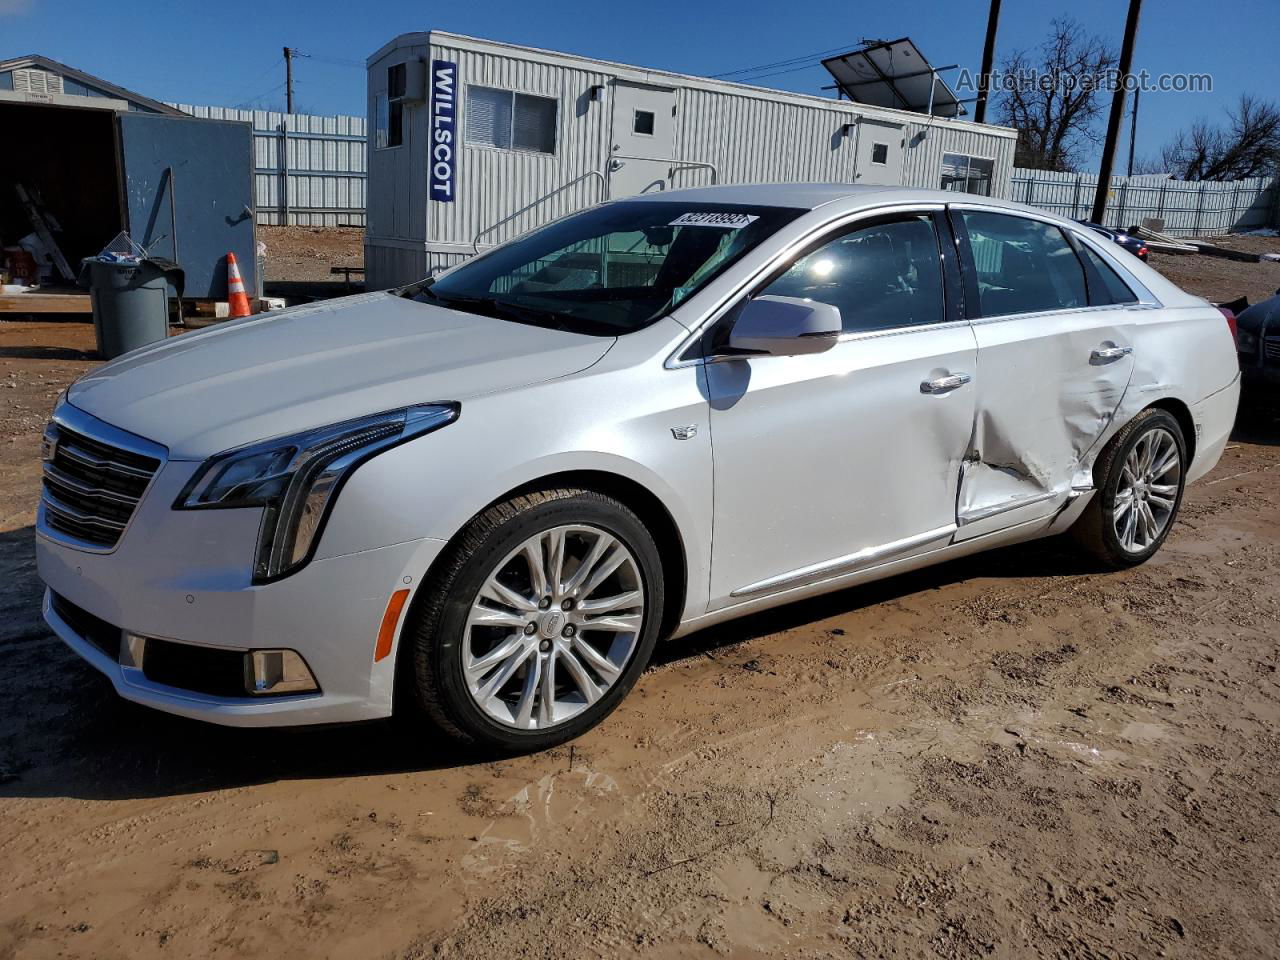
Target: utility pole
{"x": 1117, "y": 111}
{"x": 288, "y": 78}
{"x": 1133, "y": 128}
{"x": 988, "y": 58}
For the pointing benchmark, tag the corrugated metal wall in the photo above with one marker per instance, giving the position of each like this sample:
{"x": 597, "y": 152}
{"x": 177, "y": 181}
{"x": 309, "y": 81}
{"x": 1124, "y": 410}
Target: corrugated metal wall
{"x": 926, "y": 144}
{"x": 1189, "y": 209}
{"x": 321, "y": 158}
{"x": 509, "y": 179}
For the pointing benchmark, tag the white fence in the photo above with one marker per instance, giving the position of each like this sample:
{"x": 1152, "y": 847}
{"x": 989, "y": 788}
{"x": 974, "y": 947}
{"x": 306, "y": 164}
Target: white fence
{"x": 311, "y": 170}
{"x": 308, "y": 170}
{"x": 1189, "y": 208}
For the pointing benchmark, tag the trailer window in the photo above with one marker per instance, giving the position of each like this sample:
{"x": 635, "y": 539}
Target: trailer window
{"x": 643, "y": 123}
{"x": 389, "y": 110}
{"x": 510, "y": 121}
{"x": 965, "y": 174}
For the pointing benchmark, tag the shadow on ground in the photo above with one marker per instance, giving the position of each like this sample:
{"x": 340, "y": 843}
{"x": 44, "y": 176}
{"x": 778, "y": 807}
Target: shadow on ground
{"x": 1259, "y": 421}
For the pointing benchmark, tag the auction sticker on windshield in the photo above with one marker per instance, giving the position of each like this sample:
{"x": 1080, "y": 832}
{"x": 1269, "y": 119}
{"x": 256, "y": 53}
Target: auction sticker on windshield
{"x": 731, "y": 221}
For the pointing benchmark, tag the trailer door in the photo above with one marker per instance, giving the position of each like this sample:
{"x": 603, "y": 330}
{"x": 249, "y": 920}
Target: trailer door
{"x": 643, "y": 140}
{"x": 188, "y": 186}
{"x": 879, "y": 157}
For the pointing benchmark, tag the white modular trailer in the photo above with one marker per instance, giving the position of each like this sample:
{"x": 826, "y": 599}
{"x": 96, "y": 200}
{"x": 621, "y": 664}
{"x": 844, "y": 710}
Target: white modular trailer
{"x": 472, "y": 141}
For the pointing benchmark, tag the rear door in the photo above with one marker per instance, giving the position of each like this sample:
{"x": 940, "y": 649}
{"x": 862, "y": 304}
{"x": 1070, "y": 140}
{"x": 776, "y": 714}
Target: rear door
{"x": 833, "y": 462}
{"x": 1055, "y": 354}
{"x": 643, "y": 139}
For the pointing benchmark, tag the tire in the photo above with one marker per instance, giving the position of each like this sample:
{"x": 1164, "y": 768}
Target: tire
{"x": 1100, "y": 531}
{"x": 488, "y": 574}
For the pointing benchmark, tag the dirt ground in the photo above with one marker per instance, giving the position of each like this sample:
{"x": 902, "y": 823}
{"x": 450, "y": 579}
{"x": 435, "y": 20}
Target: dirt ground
{"x": 297, "y": 254}
{"x": 1224, "y": 280}
{"x": 1008, "y": 756}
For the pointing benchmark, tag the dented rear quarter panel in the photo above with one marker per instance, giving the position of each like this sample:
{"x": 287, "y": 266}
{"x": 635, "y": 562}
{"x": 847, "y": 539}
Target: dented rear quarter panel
{"x": 1183, "y": 352}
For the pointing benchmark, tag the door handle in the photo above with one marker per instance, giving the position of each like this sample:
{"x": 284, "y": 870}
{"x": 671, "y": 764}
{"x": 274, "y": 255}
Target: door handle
{"x": 1107, "y": 354}
{"x": 945, "y": 384}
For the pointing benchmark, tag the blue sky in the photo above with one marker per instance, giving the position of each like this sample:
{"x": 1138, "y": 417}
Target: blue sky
{"x": 228, "y": 52}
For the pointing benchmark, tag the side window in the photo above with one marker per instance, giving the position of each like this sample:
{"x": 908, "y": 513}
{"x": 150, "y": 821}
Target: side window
{"x": 1023, "y": 266}
{"x": 880, "y": 277}
{"x": 1105, "y": 285}
{"x": 510, "y": 121}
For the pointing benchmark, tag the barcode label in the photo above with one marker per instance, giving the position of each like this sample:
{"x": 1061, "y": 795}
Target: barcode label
{"x": 725, "y": 221}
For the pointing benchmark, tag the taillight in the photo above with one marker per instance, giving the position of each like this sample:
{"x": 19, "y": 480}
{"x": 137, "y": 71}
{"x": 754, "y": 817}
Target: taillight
{"x": 1231, "y": 320}
{"x": 1142, "y": 251}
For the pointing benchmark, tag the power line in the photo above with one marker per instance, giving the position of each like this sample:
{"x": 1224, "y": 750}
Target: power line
{"x": 265, "y": 93}
{"x": 255, "y": 81}
{"x": 335, "y": 61}
{"x": 765, "y": 76}
{"x": 782, "y": 63}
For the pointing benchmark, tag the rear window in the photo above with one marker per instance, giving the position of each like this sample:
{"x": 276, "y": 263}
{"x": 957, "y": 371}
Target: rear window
{"x": 1023, "y": 265}
{"x": 1105, "y": 285}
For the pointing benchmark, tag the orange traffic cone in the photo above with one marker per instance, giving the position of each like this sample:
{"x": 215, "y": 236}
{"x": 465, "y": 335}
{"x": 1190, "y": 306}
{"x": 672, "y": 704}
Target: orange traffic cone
{"x": 236, "y": 297}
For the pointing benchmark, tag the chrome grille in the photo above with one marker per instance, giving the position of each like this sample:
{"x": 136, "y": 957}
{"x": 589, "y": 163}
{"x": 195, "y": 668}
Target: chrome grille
{"x": 1271, "y": 348}
{"x": 91, "y": 487}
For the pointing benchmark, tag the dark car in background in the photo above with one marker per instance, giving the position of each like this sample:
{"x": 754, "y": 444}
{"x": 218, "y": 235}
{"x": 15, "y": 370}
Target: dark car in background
{"x": 1120, "y": 238}
{"x": 1258, "y": 343}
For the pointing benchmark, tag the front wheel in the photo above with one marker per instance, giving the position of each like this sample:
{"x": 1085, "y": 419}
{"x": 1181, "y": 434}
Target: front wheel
{"x": 1140, "y": 478}
{"x": 543, "y": 616}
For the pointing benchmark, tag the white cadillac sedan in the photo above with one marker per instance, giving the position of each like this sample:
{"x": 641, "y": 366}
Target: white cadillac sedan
{"x": 488, "y": 495}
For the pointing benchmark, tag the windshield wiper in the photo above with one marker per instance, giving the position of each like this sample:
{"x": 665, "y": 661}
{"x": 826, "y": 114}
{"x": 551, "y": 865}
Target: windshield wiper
{"x": 499, "y": 309}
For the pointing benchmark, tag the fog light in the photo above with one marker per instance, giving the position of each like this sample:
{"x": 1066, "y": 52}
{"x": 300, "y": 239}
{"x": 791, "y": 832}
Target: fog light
{"x": 271, "y": 672}
{"x": 132, "y": 650}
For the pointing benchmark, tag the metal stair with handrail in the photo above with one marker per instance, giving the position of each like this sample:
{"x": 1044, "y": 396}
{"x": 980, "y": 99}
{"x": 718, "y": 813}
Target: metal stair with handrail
{"x": 677, "y": 165}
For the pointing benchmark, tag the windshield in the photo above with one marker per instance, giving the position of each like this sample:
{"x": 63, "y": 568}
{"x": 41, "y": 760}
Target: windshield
{"x": 609, "y": 270}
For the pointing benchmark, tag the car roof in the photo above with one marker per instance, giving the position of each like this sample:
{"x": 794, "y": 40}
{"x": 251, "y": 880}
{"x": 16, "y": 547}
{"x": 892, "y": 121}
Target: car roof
{"x": 810, "y": 196}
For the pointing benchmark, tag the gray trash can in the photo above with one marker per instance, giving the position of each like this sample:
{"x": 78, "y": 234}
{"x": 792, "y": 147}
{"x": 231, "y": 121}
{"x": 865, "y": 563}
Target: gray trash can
{"x": 130, "y": 303}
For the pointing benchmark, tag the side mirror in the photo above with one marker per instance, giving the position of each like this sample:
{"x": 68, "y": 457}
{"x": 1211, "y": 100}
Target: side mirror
{"x": 785, "y": 327}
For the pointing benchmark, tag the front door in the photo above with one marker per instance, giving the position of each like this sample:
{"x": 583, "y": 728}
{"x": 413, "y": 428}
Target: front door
{"x": 1054, "y": 361}
{"x": 879, "y": 156}
{"x": 833, "y": 462}
{"x": 643, "y": 140}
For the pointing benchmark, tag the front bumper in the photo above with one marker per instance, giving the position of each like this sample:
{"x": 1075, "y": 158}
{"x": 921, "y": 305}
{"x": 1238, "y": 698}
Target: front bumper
{"x": 184, "y": 576}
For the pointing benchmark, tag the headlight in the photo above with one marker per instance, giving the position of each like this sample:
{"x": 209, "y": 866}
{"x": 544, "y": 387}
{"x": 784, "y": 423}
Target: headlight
{"x": 295, "y": 479}
{"x": 1246, "y": 342}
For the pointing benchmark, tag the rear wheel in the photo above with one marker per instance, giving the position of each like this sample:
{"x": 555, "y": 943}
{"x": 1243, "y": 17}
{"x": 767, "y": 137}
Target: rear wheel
{"x": 1140, "y": 477}
{"x": 543, "y": 616}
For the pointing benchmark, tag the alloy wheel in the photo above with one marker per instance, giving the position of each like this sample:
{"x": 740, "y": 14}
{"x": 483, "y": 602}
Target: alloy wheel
{"x": 553, "y": 627}
{"x": 1147, "y": 493}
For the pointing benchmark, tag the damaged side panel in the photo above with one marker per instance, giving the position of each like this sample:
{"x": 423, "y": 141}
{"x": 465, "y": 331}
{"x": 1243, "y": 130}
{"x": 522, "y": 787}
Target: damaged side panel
{"x": 1049, "y": 386}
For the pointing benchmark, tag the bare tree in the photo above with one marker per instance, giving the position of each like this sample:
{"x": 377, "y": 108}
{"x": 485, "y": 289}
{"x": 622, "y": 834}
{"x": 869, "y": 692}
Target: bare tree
{"x": 1247, "y": 146}
{"x": 1053, "y": 95}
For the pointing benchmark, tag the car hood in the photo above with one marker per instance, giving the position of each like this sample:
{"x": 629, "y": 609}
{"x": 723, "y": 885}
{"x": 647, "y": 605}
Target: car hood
{"x": 278, "y": 373}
